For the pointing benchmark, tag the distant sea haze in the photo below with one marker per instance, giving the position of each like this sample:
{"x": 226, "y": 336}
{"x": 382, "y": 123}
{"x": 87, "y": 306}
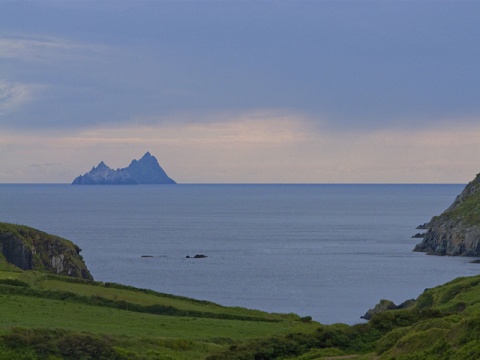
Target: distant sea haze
{"x": 326, "y": 251}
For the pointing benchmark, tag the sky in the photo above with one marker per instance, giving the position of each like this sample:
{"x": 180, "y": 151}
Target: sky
{"x": 241, "y": 91}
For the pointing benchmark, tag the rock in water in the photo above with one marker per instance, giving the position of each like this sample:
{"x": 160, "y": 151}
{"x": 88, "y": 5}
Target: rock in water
{"x": 457, "y": 230}
{"x": 143, "y": 171}
{"x": 31, "y": 249}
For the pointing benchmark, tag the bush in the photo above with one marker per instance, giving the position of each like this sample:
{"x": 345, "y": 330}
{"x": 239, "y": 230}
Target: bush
{"x": 14, "y": 282}
{"x": 16, "y": 354}
{"x": 466, "y": 331}
{"x": 470, "y": 351}
{"x": 47, "y": 343}
{"x": 389, "y": 341}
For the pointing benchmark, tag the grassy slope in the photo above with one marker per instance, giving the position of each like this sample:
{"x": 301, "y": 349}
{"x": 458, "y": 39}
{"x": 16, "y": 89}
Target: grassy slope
{"x": 443, "y": 324}
{"x": 468, "y": 210}
{"x": 39, "y": 311}
{"x": 50, "y": 304}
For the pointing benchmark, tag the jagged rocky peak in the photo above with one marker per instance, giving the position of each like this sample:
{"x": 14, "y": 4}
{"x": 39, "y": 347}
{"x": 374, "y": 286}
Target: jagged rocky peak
{"x": 457, "y": 230}
{"x": 104, "y": 175}
{"x": 147, "y": 170}
{"x": 101, "y": 167}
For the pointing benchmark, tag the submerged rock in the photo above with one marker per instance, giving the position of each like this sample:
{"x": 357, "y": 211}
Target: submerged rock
{"x": 198, "y": 256}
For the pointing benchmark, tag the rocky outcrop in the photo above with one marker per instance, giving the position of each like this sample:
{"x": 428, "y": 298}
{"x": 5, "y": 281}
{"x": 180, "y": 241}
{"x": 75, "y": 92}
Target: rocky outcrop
{"x": 31, "y": 249}
{"x": 457, "y": 230}
{"x": 419, "y": 236}
{"x": 385, "y": 305}
{"x": 382, "y": 306}
{"x": 144, "y": 171}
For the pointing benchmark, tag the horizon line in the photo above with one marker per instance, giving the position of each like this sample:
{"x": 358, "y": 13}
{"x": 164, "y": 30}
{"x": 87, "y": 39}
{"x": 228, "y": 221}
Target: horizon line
{"x": 234, "y": 183}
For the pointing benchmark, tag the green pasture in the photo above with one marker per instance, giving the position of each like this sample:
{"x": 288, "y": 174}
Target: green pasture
{"x": 24, "y": 311}
{"x": 42, "y": 315}
{"x": 36, "y": 308}
{"x": 148, "y": 298}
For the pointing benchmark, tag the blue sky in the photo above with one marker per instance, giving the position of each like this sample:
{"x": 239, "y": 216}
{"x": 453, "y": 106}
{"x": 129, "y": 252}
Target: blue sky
{"x": 242, "y": 91}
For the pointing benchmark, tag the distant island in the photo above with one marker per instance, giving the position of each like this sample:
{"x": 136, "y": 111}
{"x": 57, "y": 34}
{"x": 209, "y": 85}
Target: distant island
{"x": 143, "y": 171}
{"x": 457, "y": 230}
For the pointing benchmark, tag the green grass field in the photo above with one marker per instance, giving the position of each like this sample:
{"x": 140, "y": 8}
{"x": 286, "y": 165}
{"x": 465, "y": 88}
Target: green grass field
{"x": 52, "y": 317}
{"x": 34, "y": 300}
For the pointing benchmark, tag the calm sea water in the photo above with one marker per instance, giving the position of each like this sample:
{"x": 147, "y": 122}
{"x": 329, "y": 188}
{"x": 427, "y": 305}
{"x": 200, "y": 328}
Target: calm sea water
{"x": 328, "y": 251}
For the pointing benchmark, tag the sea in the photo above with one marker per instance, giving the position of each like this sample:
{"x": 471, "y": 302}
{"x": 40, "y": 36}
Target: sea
{"x": 327, "y": 251}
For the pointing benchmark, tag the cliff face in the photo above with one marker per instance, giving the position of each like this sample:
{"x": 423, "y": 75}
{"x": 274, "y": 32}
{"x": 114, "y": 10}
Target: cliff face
{"x": 457, "y": 230}
{"x": 31, "y": 249}
{"x": 143, "y": 171}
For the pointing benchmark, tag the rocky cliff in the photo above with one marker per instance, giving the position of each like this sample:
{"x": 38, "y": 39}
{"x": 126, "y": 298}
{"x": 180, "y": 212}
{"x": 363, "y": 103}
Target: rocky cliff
{"x": 144, "y": 171}
{"x": 457, "y": 230}
{"x": 31, "y": 249}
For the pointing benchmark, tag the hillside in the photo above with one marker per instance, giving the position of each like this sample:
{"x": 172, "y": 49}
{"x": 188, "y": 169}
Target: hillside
{"x": 50, "y": 308}
{"x": 55, "y": 317}
{"x": 47, "y": 315}
{"x": 457, "y": 230}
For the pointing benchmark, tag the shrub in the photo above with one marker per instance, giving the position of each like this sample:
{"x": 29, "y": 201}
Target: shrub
{"x": 47, "y": 343}
{"x": 306, "y": 319}
{"x": 14, "y": 282}
{"x": 388, "y": 341}
{"x": 470, "y": 351}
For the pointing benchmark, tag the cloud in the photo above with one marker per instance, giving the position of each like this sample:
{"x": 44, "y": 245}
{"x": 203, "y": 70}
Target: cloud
{"x": 219, "y": 146}
{"x": 351, "y": 65}
{"x": 47, "y": 165}
{"x": 13, "y": 95}
{"x": 268, "y": 147}
{"x": 31, "y": 48}
{"x": 307, "y": 92}
{"x": 53, "y": 83}
{"x": 258, "y": 127}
